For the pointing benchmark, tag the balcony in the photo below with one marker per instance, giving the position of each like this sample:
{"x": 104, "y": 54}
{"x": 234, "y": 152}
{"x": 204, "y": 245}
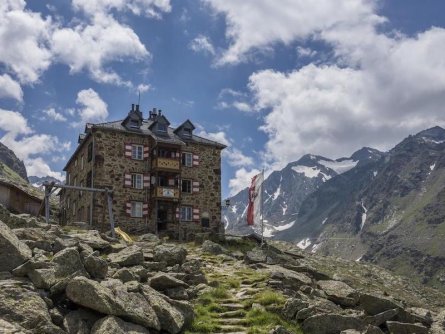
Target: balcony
{"x": 166, "y": 164}
{"x": 166, "y": 193}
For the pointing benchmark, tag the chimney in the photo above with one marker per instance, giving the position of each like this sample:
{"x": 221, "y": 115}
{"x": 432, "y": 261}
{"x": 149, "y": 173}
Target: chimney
{"x": 132, "y": 107}
{"x": 159, "y": 112}
{"x": 137, "y": 107}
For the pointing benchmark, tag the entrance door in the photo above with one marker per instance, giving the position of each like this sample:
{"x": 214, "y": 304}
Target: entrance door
{"x": 162, "y": 219}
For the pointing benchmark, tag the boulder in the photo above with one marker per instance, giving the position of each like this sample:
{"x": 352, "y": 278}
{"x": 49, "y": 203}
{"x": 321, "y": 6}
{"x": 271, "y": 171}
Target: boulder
{"x": 179, "y": 293}
{"x": 60, "y": 244}
{"x": 21, "y": 305}
{"x": 381, "y": 318}
{"x": 170, "y": 254}
{"x": 43, "y": 278}
{"x": 130, "y": 256}
{"x": 13, "y": 252}
{"x": 163, "y": 281}
{"x": 125, "y": 275}
{"x": 289, "y": 279}
{"x": 116, "y": 325}
{"x": 293, "y": 306}
{"x": 67, "y": 262}
{"x": 172, "y": 318}
{"x": 8, "y": 327}
{"x": 256, "y": 255}
{"x": 373, "y": 304}
{"x": 112, "y": 298}
{"x": 212, "y": 248}
{"x": 92, "y": 238}
{"x": 396, "y": 327}
{"x": 80, "y": 321}
{"x": 280, "y": 330}
{"x": 331, "y": 324}
{"x": 96, "y": 266}
{"x": 149, "y": 237}
{"x": 339, "y": 292}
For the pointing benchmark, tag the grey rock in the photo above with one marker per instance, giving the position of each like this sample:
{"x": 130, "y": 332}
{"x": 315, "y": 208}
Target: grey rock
{"x": 116, "y": 325}
{"x": 155, "y": 266}
{"x": 13, "y": 252}
{"x": 192, "y": 266}
{"x": 396, "y": 327}
{"x": 331, "y": 324}
{"x": 256, "y": 255}
{"x": 381, "y": 318}
{"x": 21, "y": 305}
{"x": 80, "y": 321}
{"x": 373, "y": 304}
{"x": 92, "y": 238}
{"x": 178, "y": 293}
{"x": 43, "y": 278}
{"x": 339, "y": 292}
{"x": 130, "y": 256}
{"x": 152, "y": 238}
{"x": 96, "y": 266}
{"x": 60, "y": 244}
{"x": 212, "y": 248}
{"x": 280, "y": 330}
{"x": 292, "y": 306}
{"x": 125, "y": 275}
{"x": 112, "y": 300}
{"x": 56, "y": 316}
{"x": 7, "y": 327}
{"x": 67, "y": 262}
{"x": 170, "y": 254}
{"x": 163, "y": 281}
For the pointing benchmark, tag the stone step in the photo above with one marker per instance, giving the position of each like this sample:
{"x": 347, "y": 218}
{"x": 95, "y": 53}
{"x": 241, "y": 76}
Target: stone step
{"x": 232, "y": 306}
{"x": 231, "y": 328}
{"x": 230, "y": 314}
{"x": 232, "y": 321}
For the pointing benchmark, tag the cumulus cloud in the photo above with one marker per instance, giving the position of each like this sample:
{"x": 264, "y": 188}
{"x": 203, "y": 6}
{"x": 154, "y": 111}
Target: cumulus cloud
{"x": 26, "y": 144}
{"x": 54, "y": 115}
{"x": 91, "y": 107}
{"x": 142, "y": 88}
{"x": 38, "y": 167}
{"x": 202, "y": 44}
{"x": 232, "y": 99}
{"x": 220, "y": 136}
{"x": 242, "y": 179}
{"x": 10, "y": 88}
{"x": 236, "y": 158}
{"x": 255, "y": 25}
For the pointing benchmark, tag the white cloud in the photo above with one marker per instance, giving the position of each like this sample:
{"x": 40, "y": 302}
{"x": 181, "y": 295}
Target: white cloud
{"x": 255, "y": 25}
{"x": 92, "y": 107}
{"x": 220, "y": 136}
{"x": 202, "y": 44}
{"x": 148, "y": 8}
{"x": 142, "y": 88}
{"x": 232, "y": 99}
{"x": 23, "y": 41}
{"x": 242, "y": 179}
{"x": 27, "y": 145}
{"x": 54, "y": 115}
{"x": 38, "y": 167}
{"x": 91, "y": 47}
{"x": 236, "y": 158}
{"x": 306, "y": 52}
{"x": 10, "y": 88}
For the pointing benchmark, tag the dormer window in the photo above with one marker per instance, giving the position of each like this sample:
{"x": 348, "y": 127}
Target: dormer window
{"x": 134, "y": 123}
{"x": 162, "y": 127}
{"x": 187, "y": 132}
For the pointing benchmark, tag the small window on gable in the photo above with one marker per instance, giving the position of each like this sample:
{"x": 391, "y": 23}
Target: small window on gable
{"x": 187, "y": 132}
{"x": 134, "y": 123}
{"x": 162, "y": 127}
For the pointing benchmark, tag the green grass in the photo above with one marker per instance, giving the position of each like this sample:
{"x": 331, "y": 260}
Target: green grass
{"x": 261, "y": 322}
{"x": 269, "y": 297}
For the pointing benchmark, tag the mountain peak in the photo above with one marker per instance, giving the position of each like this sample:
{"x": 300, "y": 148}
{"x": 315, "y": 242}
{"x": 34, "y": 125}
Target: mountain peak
{"x": 8, "y": 157}
{"x": 435, "y": 133}
{"x": 366, "y": 154}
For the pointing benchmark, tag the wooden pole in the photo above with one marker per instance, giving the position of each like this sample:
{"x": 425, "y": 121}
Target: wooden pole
{"x": 110, "y": 212}
{"x": 47, "y": 193}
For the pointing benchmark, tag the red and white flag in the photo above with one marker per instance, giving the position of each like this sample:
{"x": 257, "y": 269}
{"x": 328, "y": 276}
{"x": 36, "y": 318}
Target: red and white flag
{"x": 255, "y": 198}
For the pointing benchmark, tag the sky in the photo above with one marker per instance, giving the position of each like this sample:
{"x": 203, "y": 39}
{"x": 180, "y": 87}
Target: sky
{"x": 273, "y": 80}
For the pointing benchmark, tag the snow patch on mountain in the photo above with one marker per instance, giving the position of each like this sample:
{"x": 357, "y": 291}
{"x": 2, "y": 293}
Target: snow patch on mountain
{"x": 277, "y": 192}
{"x": 305, "y": 243}
{"x": 324, "y": 221}
{"x": 339, "y": 167}
{"x": 285, "y": 227}
{"x": 310, "y": 172}
{"x": 363, "y": 216}
{"x": 433, "y": 166}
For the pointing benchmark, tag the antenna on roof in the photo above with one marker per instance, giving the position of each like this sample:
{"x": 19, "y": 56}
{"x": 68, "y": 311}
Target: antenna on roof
{"x": 139, "y": 98}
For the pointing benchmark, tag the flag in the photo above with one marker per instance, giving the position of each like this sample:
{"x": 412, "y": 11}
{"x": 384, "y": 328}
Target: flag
{"x": 255, "y": 198}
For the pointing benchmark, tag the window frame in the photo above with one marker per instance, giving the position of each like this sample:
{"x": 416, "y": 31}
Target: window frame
{"x": 161, "y": 127}
{"x": 82, "y": 162}
{"x": 135, "y": 152}
{"x": 184, "y": 212}
{"x": 135, "y": 207}
{"x": 184, "y": 161}
{"x": 90, "y": 152}
{"x": 135, "y": 181}
{"x": 189, "y": 188}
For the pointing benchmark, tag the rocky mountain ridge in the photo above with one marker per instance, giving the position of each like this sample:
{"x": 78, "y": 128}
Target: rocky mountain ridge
{"x": 9, "y": 158}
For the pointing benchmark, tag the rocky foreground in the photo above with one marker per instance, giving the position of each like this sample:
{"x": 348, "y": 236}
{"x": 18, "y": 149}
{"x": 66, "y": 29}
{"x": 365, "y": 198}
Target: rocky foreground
{"x": 67, "y": 280}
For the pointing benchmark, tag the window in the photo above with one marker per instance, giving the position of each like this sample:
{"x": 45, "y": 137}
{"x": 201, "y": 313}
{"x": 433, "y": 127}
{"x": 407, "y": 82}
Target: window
{"x": 80, "y": 192}
{"x": 134, "y": 123}
{"x": 82, "y": 162}
{"x": 68, "y": 178}
{"x": 137, "y": 181}
{"x": 187, "y": 159}
{"x": 187, "y": 132}
{"x": 90, "y": 179}
{"x": 162, "y": 127}
{"x": 186, "y": 186}
{"x": 74, "y": 209}
{"x": 90, "y": 151}
{"x": 136, "y": 209}
{"x": 75, "y": 181}
{"x": 75, "y": 163}
{"x": 137, "y": 152}
{"x": 186, "y": 213}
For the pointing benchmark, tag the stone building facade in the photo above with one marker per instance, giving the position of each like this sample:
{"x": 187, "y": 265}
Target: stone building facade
{"x": 164, "y": 180}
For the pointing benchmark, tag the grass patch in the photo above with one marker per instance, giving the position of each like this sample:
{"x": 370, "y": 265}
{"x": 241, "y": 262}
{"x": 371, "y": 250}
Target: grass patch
{"x": 261, "y": 321}
{"x": 219, "y": 292}
{"x": 240, "y": 245}
{"x": 269, "y": 297}
{"x": 233, "y": 282}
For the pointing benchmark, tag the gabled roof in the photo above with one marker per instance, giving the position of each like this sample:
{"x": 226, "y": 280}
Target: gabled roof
{"x": 187, "y": 125}
{"x": 159, "y": 119}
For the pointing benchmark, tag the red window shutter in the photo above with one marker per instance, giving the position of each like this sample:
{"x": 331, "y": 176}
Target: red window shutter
{"x": 127, "y": 180}
{"x": 195, "y": 160}
{"x": 171, "y": 182}
{"x": 195, "y": 214}
{"x": 128, "y": 150}
{"x": 128, "y": 208}
{"x": 146, "y": 180}
{"x": 146, "y": 152}
{"x": 145, "y": 209}
{"x": 177, "y": 213}
{"x": 195, "y": 186}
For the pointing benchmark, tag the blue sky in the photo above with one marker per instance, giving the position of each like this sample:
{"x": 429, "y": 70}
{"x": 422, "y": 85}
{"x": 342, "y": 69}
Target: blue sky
{"x": 271, "y": 79}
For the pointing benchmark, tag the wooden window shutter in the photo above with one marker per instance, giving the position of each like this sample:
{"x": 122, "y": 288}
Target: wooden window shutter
{"x": 146, "y": 151}
{"x": 195, "y": 160}
{"x": 146, "y": 180}
{"x": 128, "y": 208}
{"x": 145, "y": 209}
{"x": 177, "y": 213}
{"x": 128, "y": 149}
{"x": 195, "y": 214}
{"x": 195, "y": 186}
{"x": 127, "y": 180}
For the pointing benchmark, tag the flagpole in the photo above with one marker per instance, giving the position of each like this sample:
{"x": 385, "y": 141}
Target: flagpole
{"x": 262, "y": 218}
